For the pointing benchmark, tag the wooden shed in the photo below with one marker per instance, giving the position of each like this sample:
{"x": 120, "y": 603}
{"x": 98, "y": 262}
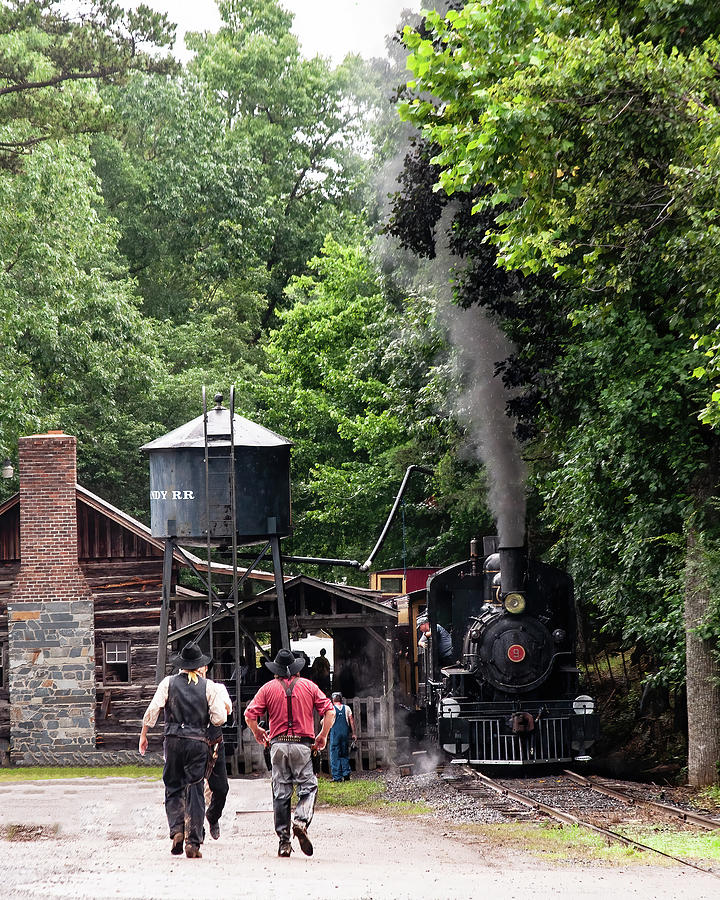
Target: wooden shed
{"x": 362, "y": 629}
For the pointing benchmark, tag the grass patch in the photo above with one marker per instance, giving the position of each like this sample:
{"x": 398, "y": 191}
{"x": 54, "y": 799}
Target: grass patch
{"x": 685, "y": 844}
{"x": 571, "y": 843}
{"x": 556, "y": 842}
{"x": 709, "y": 796}
{"x": 363, "y": 792}
{"x": 366, "y": 793}
{"x": 42, "y": 773}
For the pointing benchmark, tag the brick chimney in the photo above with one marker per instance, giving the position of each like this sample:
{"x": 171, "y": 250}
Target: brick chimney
{"x": 50, "y": 613}
{"x": 49, "y": 568}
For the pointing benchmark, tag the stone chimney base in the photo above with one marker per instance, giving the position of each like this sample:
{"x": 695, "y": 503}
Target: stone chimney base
{"x": 52, "y": 677}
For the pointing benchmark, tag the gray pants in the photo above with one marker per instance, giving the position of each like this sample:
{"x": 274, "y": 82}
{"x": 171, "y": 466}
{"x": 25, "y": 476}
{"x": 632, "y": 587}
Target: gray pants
{"x": 292, "y": 765}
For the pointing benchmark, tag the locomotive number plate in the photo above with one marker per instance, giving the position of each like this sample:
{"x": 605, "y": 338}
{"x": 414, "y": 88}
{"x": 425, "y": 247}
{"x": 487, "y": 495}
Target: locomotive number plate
{"x": 516, "y": 653}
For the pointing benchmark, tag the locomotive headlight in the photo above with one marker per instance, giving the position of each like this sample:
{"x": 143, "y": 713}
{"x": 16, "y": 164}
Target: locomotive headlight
{"x": 583, "y": 705}
{"x": 449, "y": 708}
{"x": 514, "y": 603}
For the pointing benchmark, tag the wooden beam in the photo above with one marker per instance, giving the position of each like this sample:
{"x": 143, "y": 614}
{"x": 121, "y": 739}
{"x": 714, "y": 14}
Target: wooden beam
{"x": 376, "y": 637}
{"x": 280, "y": 592}
{"x": 165, "y": 612}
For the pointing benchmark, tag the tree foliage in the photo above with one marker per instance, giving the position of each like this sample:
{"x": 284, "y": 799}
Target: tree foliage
{"x": 303, "y": 120}
{"x": 50, "y": 64}
{"x": 76, "y": 353}
{"x": 580, "y": 135}
{"x": 351, "y": 379}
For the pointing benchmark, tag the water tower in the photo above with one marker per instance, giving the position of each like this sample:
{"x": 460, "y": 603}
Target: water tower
{"x": 219, "y": 480}
{"x": 191, "y": 492}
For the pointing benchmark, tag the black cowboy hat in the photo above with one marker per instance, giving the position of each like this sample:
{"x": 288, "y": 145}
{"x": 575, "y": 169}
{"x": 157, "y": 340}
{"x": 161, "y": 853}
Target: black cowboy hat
{"x": 191, "y": 658}
{"x": 285, "y": 664}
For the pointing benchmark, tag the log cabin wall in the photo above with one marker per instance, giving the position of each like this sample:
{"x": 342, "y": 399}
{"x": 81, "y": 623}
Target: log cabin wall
{"x": 125, "y": 576}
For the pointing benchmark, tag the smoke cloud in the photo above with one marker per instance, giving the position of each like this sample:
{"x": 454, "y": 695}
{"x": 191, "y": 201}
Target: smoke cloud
{"x": 478, "y": 342}
{"x": 480, "y": 346}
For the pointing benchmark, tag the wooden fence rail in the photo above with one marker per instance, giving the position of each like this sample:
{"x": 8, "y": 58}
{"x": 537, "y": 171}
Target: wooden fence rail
{"x": 375, "y": 728}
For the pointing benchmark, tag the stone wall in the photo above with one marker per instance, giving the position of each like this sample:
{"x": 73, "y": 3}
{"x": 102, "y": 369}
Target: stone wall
{"x": 52, "y": 677}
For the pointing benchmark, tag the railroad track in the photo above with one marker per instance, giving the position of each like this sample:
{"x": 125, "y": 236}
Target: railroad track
{"x": 574, "y": 791}
{"x": 635, "y": 799}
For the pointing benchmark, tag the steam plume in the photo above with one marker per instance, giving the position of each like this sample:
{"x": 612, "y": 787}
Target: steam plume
{"x": 480, "y": 345}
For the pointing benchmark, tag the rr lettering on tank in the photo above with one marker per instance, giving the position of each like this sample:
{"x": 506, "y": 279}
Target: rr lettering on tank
{"x": 172, "y": 495}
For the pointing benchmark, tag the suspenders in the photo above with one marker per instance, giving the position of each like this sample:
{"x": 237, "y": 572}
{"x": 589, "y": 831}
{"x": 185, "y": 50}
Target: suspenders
{"x": 288, "y": 738}
{"x": 288, "y": 693}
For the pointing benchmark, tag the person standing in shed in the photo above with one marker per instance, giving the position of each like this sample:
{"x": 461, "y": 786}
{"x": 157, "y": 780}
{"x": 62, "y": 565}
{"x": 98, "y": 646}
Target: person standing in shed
{"x": 191, "y": 703}
{"x": 321, "y": 672}
{"x": 289, "y": 701}
{"x": 340, "y": 735}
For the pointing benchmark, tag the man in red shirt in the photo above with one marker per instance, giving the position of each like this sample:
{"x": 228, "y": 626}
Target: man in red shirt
{"x": 289, "y": 701}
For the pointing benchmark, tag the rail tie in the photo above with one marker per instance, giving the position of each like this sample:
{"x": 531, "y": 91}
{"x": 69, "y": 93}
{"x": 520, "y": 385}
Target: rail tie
{"x": 685, "y": 815}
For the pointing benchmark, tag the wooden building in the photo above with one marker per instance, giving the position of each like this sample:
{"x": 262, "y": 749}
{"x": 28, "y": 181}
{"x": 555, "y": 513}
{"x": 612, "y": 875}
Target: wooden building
{"x": 362, "y": 629}
{"x": 80, "y": 601}
{"x": 62, "y": 546}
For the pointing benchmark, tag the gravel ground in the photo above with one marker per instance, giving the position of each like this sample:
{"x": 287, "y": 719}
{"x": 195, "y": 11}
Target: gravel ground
{"x": 97, "y": 839}
{"x": 432, "y": 790}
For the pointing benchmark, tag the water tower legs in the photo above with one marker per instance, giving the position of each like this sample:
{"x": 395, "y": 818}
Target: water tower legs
{"x": 280, "y": 590}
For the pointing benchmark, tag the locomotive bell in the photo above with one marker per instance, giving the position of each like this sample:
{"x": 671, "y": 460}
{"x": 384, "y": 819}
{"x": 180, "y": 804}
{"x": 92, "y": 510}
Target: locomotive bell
{"x": 187, "y": 505}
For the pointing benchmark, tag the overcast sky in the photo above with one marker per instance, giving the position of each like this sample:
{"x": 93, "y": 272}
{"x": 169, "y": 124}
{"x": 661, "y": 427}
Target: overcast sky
{"x": 331, "y": 28}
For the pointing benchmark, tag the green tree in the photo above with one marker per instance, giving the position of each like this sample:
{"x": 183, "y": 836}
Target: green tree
{"x": 580, "y": 133}
{"x": 304, "y": 121}
{"x": 76, "y": 353}
{"x": 191, "y": 215}
{"x": 351, "y": 383}
{"x": 50, "y": 65}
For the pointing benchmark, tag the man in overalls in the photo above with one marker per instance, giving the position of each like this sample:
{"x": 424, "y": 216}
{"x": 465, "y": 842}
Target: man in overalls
{"x": 289, "y": 701}
{"x": 190, "y": 703}
{"x": 343, "y": 728}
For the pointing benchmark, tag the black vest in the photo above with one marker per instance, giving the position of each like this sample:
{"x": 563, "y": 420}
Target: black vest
{"x": 186, "y": 710}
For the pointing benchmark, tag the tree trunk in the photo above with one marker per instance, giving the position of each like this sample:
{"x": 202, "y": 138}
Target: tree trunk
{"x": 703, "y": 673}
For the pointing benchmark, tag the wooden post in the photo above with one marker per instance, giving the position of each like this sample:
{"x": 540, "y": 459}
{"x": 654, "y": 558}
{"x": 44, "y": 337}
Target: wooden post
{"x": 280, "y": 591}
{"x": 372, "y": 733}
{"x": 390, "y": 658}
{"x": 384, "y": 745}
{"x": 357, "y": 715}
{"x": 164, "y": 612}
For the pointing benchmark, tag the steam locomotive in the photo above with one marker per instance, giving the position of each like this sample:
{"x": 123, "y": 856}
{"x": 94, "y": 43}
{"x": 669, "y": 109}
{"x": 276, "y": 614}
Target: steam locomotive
{"x": 508, "y": 691}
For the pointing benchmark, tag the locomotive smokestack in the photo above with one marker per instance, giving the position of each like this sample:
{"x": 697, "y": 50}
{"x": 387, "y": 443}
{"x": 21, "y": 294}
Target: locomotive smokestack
{"x": 513, "y": 570}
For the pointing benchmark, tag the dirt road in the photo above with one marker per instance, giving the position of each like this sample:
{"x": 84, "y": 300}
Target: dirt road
{"x": 106, "y": 838}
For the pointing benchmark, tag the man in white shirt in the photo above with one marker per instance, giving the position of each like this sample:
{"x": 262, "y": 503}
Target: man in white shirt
{"x": 190, "y": 703}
